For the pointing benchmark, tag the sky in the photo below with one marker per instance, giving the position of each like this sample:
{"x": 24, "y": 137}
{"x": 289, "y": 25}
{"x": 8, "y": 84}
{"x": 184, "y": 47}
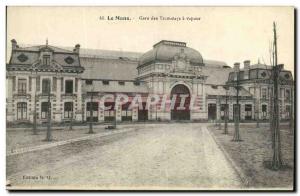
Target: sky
{"x": 229, "y": 34}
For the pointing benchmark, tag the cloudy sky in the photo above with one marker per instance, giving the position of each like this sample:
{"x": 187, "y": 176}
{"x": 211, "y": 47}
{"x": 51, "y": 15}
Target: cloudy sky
{"x": 230, "y": 34}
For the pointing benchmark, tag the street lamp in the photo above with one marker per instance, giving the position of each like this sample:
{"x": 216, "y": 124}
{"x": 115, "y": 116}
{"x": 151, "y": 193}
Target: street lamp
{"x": 49, "y": 136}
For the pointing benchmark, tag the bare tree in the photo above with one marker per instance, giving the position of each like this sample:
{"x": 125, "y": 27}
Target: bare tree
{"x": 71, "y": 120}
{"x": 276, "y": 160}
{"x": 35, "y": 116}
{"x": 219, "y": 121}
{"x": 91, "y": 131}
{"x": 236, "y": 136}
{"x": 226, "y": 112}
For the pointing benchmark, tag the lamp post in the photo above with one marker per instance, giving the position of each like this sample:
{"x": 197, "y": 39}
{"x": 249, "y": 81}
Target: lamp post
{"x": 49, "y": 136}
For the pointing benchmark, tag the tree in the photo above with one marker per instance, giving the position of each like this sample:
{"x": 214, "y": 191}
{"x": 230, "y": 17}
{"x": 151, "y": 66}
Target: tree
{"x": 219, "y": 121}
{"x": 226, "y": 112}
{"x": 91, "y": 131}
{"x": 236, "y": 136}
{"x": 35, "y": 116}
{"x": 71, "y": 120}
{"x": 291, "y": 111}
{"x": 276, "y": 160}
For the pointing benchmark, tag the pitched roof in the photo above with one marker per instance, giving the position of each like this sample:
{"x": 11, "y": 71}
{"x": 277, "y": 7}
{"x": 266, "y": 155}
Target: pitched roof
{"x": 216, "y": 75}
{"x": 220, "y": 90}
{"x": 39, "y": 47}
{"x": 108, "y": 69}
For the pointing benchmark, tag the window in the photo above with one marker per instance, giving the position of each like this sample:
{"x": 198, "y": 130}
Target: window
{"x": 76, "y": 84}
{"x": 22, "y": 111}
{"x": 281, "y": 93}
{"x": 38, "y": 83}
{"x": 62, "y": 85}
{"x": 287, "y": 94}
{"x": 30, "y": 83}
{"x": 109, "y": 114}
{"x": 46, "y": 60}
{"x": 121, "y": 83}
{"x": 68, "y": 108}
{"x": 54, "y": 86}
{"x": 248, "y": 111}
{"x": 89, "y": 82}
{"x": 44, "y": 110}
{"x": 264, "y": 93}
{"x": 14, "y": 83}
{"x": 22, "y": 86}
{"x": 214, "y": 86}
{"x": 92, "y": 111}
{"x": 288, "y": 111}
{"x": 136, "y": 83}
{"x": 264, "y": 111}
{"x": 105, "y": 82}
{"x": 45, "y": 86}
{"x": 223, "y": 110}
{"x": 69, "y": 86}
{"x": 126, "y": 113}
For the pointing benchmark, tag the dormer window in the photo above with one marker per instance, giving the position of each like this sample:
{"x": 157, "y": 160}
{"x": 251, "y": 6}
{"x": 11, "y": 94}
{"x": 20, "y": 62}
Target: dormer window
{"x": 121, "y": 83}
{"x": 136, "y": 83}
{"x": 46, "y": 60}
{"x": 105, "y": 82}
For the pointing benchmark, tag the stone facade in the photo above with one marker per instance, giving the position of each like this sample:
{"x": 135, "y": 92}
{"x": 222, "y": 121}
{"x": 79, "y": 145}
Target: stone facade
{"x": 80, "y": 78}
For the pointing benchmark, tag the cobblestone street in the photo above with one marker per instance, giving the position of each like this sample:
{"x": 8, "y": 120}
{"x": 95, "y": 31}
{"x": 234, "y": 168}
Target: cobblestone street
{"x": 161, "y": 156}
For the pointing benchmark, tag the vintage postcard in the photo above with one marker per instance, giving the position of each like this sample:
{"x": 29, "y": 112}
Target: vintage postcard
{"x": 150, "y": 98}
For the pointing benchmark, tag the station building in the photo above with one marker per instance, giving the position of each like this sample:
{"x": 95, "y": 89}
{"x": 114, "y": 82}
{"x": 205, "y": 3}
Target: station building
{"x": 78, "y": 78}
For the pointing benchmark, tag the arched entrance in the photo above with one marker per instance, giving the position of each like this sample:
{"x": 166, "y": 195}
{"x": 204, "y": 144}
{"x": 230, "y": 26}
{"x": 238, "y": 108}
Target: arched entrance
{"x": 180, "y": 113}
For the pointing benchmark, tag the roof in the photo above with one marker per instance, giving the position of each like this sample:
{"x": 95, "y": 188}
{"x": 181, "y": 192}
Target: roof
{"x": 39, "y": 47}
{"x": 166, "y": 51}
{"x": 221, "y": 91}
{"x": 214, "y": 63}
{"x": 108, "y": 69}
{"x": 260, "y": 71}
{"x": 29, "y": 58}
{"x": 109, "y": 54}
{"x": 216, "y": 75}
{"x": 115, "y": 87}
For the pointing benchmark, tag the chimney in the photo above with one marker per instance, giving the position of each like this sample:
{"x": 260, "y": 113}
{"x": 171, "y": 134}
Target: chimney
{"x": 246, "y": 69}
{"x": 281, "y": 67}
{"x": 13, "y": 44}
{"x": 76, "y": 49}
{"x": 236, "y": 67}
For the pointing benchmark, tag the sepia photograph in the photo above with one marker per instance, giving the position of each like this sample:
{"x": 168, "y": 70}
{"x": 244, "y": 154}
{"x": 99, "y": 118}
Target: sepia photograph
{"x": 165, "y": 98}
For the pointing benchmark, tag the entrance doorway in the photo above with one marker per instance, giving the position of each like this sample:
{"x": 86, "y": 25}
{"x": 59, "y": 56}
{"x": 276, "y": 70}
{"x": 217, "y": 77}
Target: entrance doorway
{"x": 212, "y": 111}
{"x": 143, "y": 113}
{"x": 180, "y": 113}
